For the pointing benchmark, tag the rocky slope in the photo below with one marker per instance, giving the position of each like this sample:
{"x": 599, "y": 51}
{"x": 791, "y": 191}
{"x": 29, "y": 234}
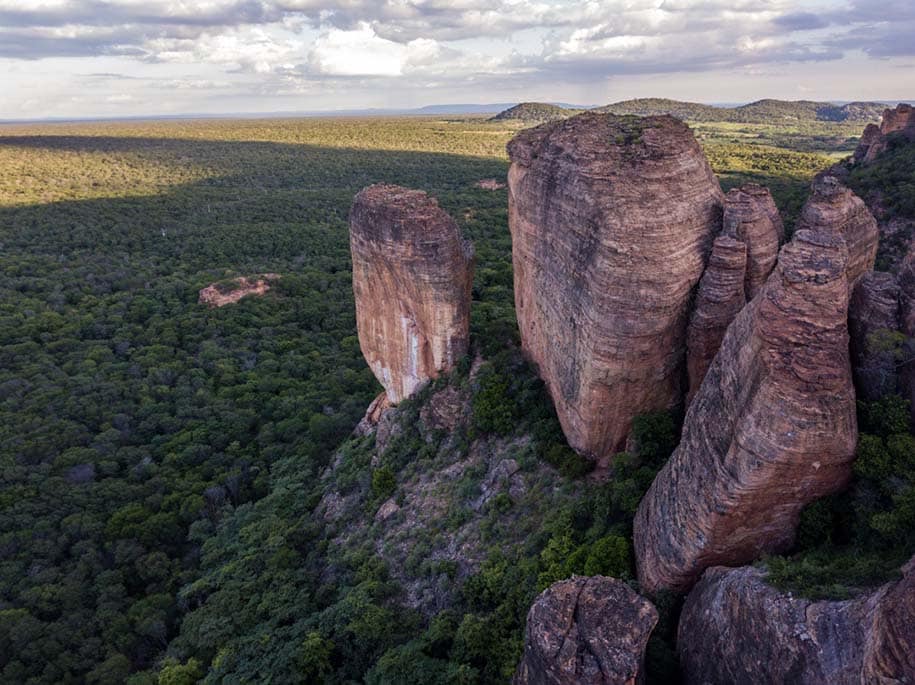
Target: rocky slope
{"x": 611, "y": 221}
{"x": 412, "y": 275}
{"x": 876, "y": 139}
{"x": 720, "y": 298}
{"x": 772, "y": 427}
{"x": 833, "y": 207}
{"x": 586, "y": 631}
{"x": 735, "y": 628}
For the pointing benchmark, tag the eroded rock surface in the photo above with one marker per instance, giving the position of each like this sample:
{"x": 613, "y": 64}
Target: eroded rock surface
{"x": 719, "y": 300}
{"x": 735, "y": 628}
{"x": 750, "y": 215}
{"x": 875, "y": 139}
{"x": 586, "y": 631}
{"x": 412, "y": 275}
{"x": 873, "y": 318}
{"x": 229, "y": 292}
{"x": 772, "y": 427}
{"x": 833, "y": 207}
{"x": 611, "y": 221}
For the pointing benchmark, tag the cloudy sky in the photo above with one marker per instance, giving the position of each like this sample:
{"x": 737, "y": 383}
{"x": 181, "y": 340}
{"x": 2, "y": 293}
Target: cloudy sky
{"x": 129, "y": 57}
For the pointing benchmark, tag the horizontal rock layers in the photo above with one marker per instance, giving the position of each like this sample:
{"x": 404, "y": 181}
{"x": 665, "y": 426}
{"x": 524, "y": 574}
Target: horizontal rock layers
{"x": 772, "y": 427}
{"x": 735, "y": 629}
{"x": 833, "y": 207}
{"x": 611, "y": 221}
{"x": 750, "y": 215}
{"x": 875, "y": 139}
{"x": 720, "y": 299}
{"x": 412, "y": 276}
{"x": 586, "y": 631}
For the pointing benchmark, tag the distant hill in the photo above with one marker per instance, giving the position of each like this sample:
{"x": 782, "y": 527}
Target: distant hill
{"x": 534, "y": 113}
{"x": 759, "y": 112}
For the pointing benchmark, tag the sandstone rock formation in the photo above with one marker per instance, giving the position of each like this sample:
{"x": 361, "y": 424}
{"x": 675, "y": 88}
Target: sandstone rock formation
{"x": 873, "y": 314}
{"x": 735, "y": 628}
{"x": 772, "y": 427}
{"x": 586, "y": 631}
{"x": 750, "y": 215}
{"x": 832, "y": 206}
{"x": 875, "y": 139}
{"x": 229, "y": 292}
{"x": 719, "y": 300}
{"x": 907, "y": 326}
{"x": 611, "y": 221}
{"x": 412, "y": 274}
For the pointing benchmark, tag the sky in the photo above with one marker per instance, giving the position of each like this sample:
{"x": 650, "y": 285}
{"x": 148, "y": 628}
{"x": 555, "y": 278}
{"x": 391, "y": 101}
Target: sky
{"x": 84, "y": 58}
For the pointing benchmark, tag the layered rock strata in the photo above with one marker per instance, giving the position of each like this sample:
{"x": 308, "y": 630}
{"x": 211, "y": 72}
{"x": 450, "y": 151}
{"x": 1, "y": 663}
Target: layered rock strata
{"x": 586, "y": 631}
{"x": 875, "y": 139}
{"x": 412, "y": 276}
{"x": 833, "y": 207}
{"x": 735, "y": 628}
{"x": 750, "y": 215}
{"x": 720, "y": 298}
{"x": 611, "y": 221}
{"x": 772, "y": 427}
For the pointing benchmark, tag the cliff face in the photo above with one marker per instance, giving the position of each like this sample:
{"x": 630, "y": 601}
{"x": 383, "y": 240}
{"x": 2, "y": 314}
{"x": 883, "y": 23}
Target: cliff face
{"x": 771, "y": 428}
{"x": 412, "y": 275}
{"x": 833, "y": 207}
{"x": 750, "y": 215}
{"x": 875, "y": 139}
{"x": 735, "y": 628}
{"x": 720, "y": 299}
{"x": 873, "y": 312}
{"x": 611, "y": 221}
{"x": 586, "y": 631}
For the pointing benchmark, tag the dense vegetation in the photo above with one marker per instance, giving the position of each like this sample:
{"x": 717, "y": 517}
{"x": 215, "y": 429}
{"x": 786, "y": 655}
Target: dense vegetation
{"x": 533, "y": 113}
{"x": 160, "y": 461}
{"x": 778, "y": 112}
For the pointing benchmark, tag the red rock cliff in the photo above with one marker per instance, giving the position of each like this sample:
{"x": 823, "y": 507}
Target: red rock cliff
{"x": 611, "y": 221}
{"x": 750, "y": 215}
{"x": 875, "y": 138}
{"x": 412, "y": 275}
{"x": 735, "y": 628}
{"x": 772, "y": 427}
{"x": 833, "y": 207}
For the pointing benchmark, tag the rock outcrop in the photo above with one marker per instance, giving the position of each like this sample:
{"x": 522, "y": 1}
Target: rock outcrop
{"x": 612, "y": 219}
{"x": 750, "y": 215}
{"x": 772, "y": 427}
{"x": 735, "y": 628}
{"x": 833, "y": 207}
{"x": 875, "y": 139}
{"x": 907, "y": 326}
{"x": 586, "y": 631}
{"x": 873, "y": 316}
{"x": 229, "y": 292}
{"x": 412, "y": 275}
{"x": 719, "y": 300}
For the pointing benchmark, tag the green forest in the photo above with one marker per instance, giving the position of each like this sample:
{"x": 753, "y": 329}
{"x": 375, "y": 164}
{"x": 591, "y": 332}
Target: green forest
{"x": 161, "y": 461}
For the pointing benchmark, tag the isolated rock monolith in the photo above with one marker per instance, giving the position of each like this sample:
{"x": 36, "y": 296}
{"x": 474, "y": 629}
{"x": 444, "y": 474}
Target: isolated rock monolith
{"x": 771, "y": 428}
{"x": 412, "y": 276}
{"x": 612, "y": 219}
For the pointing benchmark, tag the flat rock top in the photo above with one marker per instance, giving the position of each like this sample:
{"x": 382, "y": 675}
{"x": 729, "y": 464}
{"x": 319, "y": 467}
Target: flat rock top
{"x": 397, "y": 200}
{"x": 605, "y": 141}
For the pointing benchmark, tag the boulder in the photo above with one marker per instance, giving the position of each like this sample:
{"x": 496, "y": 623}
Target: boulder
{"x": 833, "y": 207}
{"x": 750, "y": 215}
{"x": 412, "y": 275}
{"x": 771, "y": 428}
{"x": 720, "y": 299}
{"x": 735, "y": 628}
{"x": 612, "y": 219}
{"x": 586, "y": 631}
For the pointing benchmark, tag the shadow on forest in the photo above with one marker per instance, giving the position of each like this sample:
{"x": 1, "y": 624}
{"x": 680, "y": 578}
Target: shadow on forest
{"x": 264, "y": 200}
